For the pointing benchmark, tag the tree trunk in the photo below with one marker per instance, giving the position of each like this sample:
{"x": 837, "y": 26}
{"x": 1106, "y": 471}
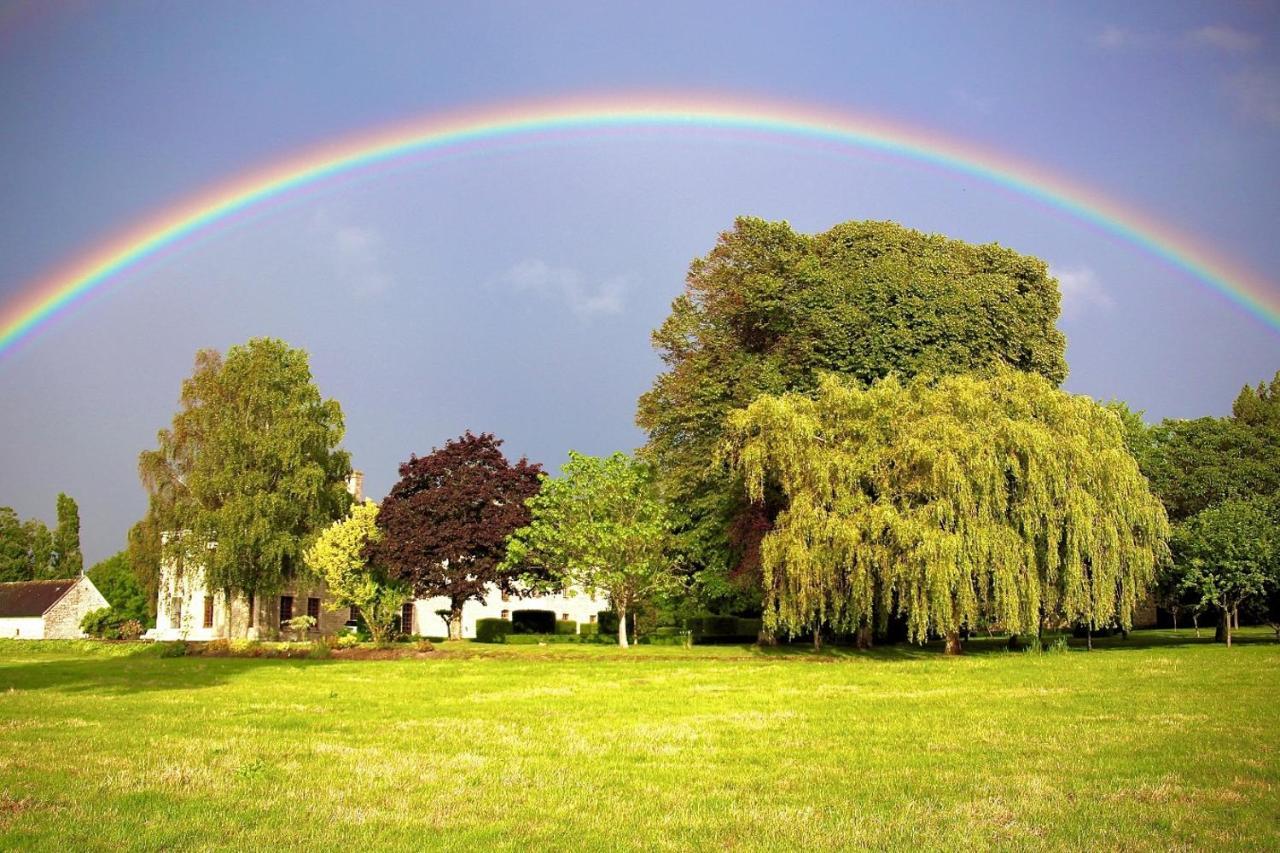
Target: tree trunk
{"x": 817, "y": 639}
{"x": 1088, "y": 637}
{"x": 1220, "y": 632}
{"x": 865, "y": 638}
{"x": 1235, "y": 617}
{"x": 1228, "y": 624}
{"x": 953, "y": 643}
{"x": 1195, "y": 620}
{"x": 766, "y": 638}
{"x": 1174, "y": 613}
{"x": 622, "y": 627}
{"x": 455, "y": 620}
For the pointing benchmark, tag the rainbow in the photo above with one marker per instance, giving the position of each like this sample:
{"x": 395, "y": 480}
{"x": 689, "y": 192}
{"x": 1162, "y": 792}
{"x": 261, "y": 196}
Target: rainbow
{"x": 44, "y": 298}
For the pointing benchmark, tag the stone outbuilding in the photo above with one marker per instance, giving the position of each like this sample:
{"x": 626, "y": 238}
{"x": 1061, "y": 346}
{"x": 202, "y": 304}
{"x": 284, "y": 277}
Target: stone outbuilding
{"x": 47, "y": 610}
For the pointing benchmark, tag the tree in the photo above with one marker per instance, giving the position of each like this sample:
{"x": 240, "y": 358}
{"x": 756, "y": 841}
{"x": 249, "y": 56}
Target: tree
{"x": 145, "y": 552}
{"x": 68, "y": 560}
{"x": 769, "y": 311}
{"x": 115, "y": 579}
{"x": 250, "y": 468}
{"x": 42, "y": 557}
{"x": 15, "y": 548}
{"x": 445, "y": 524}
{"x": 339, "y": 558}
{"x": 599, "y": 526}
{"x": 1228, "y": 553}
{"x": 954, "y": 502}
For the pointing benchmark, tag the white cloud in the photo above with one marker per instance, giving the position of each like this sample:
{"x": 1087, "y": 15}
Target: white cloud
{"x": 1081, "y": 291}
{"x": 569, "y": 286}
{"x": 1256, "y": 94}
{"x": 1224, "y": 38}
{"x": 356, "y": 252}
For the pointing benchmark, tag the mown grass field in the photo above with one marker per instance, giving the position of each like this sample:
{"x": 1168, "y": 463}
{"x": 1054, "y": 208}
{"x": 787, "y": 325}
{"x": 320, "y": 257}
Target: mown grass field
{"x": 1152, "y": 743}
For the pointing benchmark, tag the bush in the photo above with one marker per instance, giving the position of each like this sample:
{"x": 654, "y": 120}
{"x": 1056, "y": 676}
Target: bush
{"x": 493, "y": 630}
{"x": 347, "y": 640}
{"x": 588, "y": 629}
{"x": 724, "y": 629}
{"x": 526, "y": 639}
{"x": 103, "y": 623}
{"x": 319, "y": 650}
{"x": 567, "y": 626}
{"x": 607, "y": 622}
{"x": 176, "y": 649}
{"x": 130, "y": 629}
{"x": 533, "y": 622}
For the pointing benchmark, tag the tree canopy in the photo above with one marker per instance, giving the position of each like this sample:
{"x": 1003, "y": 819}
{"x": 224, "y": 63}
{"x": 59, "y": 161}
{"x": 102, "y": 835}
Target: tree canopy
{"x": 956, "y": 502}
{"x": 27, "y": 550}
{"x": 115, "y": 579}
{"x": 250, "y": 467}
{"x": 68, "y": 560}
{"x": 769, "y": 310}
{"x": 600, "y": 526}
{"x": 339, "y": 557}
{"x": 445, "y": 523}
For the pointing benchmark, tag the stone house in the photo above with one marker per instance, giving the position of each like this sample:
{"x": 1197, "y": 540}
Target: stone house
{"x": 47, "y": 610}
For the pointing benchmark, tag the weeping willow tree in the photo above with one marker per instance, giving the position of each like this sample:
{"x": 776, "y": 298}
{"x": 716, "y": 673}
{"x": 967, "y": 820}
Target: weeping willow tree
{"x": 956, "y": 502}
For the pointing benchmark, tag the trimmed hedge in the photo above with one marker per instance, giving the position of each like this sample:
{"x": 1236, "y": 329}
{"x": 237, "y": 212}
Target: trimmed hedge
{"x": 588, "y": 629}
{"x": 566, "y": 626}
{"x": 492, "y": 630}
{"x": 607, "y": 622}
{"x": 533, "y": 621}
{"x": 724, "y": 629}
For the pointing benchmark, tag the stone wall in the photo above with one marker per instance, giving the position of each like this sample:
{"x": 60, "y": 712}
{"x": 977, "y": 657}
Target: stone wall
{"x": 62, "y": 620}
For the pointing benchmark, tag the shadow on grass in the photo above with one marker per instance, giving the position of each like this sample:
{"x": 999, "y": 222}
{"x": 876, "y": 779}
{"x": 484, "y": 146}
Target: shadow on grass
{"x": 133, "y": 669}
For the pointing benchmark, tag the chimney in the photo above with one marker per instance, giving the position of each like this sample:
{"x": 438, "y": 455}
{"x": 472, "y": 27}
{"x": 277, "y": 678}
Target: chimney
{"x": 355, "y": 486}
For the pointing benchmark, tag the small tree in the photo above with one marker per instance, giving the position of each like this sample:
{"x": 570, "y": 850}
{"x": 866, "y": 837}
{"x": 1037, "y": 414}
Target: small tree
{"x": 445, "y": 524}
{"x": 68, "y": 560}
{"x": 339, "y": 558}
{"x": 1228, "y": 554}
{"x": 599, "y": 526}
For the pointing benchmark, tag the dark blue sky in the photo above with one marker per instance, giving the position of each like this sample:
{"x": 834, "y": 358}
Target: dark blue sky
{"x": 514, "y": 291}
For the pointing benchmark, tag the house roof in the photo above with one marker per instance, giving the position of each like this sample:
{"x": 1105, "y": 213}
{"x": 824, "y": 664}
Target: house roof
{"x": 31, "y": 598}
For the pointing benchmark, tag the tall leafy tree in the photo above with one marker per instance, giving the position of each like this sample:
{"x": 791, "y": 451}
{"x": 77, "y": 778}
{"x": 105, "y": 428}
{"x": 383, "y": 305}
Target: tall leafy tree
{"x": 145, "y": 552}
{"x": 115, "y": 579}
{"x": 42, "y": 554}
{"x": 599, "y": 526}
{"x": 68, "y": 559}
{"x": 339, "y": 557}
{"x": 15, "y": 548}
{"x": 250, "y": 469}
{"x": 956, "y": 502}
{"x": 770, "y": 310}
{"x": 1228, "y": 554}
{"x": 445, "y": 524}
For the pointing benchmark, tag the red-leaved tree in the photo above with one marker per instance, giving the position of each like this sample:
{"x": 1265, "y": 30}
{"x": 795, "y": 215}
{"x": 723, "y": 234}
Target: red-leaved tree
{"x": 445, "y": 524}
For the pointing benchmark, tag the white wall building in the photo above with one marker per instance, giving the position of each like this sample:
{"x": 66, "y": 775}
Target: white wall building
{"x": 47, "y": 610}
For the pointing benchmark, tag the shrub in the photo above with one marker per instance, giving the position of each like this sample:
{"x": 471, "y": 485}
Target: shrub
{"x": 103, "y": 623}
{"x": 527, "y": 639}
{"x": 130, "y": 629}
{"x": 319, "y": 650}
{"x": 566, "y": 626}
{"x": 749, "y": 629}
{"x": 724, "y": 629}
{"x": 176, "y": 649}
{"x": 422, "y": 644}
{"x": 348, "y": 640}
{"x": 533, "y": 622}
{"x": 588, "y": 629}
{"x": 607, "y": 622}
{"x": 492, "y": 630}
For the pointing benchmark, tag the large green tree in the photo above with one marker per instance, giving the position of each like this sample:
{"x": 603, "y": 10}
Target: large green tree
{"x": 68, "y": 559}
{"x": 956, "y": 502}
{"x": 340, "y": 557}
{"x": 26, "y": 549}
{"x": 599, "y": 526}
{"x": 115, "y": 579}
{"x": 250, "y": 468}
{"x": 770, "y": 310}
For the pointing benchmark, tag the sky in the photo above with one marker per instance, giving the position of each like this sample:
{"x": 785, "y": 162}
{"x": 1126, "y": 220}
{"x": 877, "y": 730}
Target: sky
{"x": 514, "y": 290}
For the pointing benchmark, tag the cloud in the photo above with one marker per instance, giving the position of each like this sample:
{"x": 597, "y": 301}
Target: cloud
{"x": 1081, "y": 291}
{"x": 568, "y": 285}
{"x": 356, "y": 252}
{"x": 1224, "y": 38}
{"x": 1256, "y": 94}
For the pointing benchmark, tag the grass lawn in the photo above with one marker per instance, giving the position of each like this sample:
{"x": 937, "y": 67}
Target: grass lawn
{"x": 1157, "y": 742}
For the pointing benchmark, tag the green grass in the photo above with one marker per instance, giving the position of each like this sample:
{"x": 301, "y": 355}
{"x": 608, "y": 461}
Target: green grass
{"x": 1152, "y": 743}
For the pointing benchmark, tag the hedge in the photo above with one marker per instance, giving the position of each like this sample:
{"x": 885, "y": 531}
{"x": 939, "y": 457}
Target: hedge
{"x": 566, "y": 626}
{"x": 588, "y": 629}
{"x": 492, "y": 630}
{"x": 533, "y": 622}
{"x": 608, "y": 622}
{"x": 724, "y": 629}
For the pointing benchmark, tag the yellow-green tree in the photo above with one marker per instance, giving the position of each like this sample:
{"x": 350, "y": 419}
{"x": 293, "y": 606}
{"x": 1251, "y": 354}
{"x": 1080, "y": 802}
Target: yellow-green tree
{"x": 339, "y": 558}
{"x": 958, "y": 502}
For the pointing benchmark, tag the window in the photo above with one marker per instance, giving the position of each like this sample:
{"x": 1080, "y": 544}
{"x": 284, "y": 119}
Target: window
{"x": 506, "y": 596}
{"x": 313, "y": 609}
{"x": 208, "y": 611}
{"x": 593, "y": 618}
{"x": 506, "y": 614}
{"x": 354, "y": 616}
{"x": 286, "y": 608}
{"x": 564, "y": 617}
{"x": 406, "y": 618}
